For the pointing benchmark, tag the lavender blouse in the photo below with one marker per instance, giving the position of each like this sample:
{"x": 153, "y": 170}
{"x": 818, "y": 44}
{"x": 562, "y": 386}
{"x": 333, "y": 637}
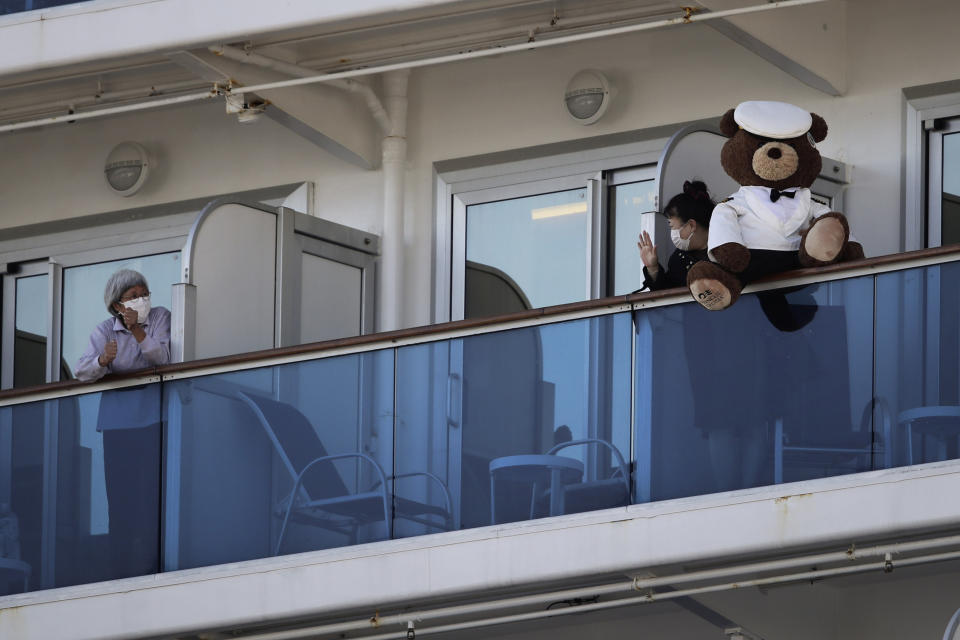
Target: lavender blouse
{"x": 131, "y": 355}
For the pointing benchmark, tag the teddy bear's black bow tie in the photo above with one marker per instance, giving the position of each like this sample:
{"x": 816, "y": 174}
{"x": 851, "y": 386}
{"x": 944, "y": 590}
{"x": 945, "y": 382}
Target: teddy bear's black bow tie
{"x": 775, "y": 195}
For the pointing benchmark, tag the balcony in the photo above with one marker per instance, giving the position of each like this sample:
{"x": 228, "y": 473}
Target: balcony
{"x": 544, "y": 413}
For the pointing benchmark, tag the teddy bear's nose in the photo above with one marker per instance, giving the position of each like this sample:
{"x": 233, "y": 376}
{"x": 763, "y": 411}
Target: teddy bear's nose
{"x": 774, "y": 153}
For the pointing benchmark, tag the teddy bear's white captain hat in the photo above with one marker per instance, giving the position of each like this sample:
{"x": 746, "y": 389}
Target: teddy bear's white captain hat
{"x": 768, "y": 119}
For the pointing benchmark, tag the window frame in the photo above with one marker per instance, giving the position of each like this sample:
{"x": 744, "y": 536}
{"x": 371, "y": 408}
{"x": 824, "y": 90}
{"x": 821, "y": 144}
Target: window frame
{"x": 934, "y": 197}
{"x": 8, "y": 323}
{"x": 922, "y": 105}
{"x": 462, "y": 201}
{"x": 105, "y": 237}
{"x": 522, "y": 172}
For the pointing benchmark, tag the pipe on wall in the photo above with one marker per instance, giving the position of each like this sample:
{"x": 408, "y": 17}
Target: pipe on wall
{"x": 394, "y": 158}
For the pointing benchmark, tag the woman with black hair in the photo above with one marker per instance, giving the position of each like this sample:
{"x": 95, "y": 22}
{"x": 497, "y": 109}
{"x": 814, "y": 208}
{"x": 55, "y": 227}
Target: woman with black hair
{"x": 688, "y": 214}
{"x": 719, "y": 351}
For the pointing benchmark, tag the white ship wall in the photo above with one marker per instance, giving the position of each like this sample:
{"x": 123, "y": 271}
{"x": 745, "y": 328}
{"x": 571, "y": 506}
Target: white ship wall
{"x": 509, "y": 102}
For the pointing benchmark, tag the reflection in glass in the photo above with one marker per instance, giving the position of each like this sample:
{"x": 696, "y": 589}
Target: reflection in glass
{"x": 629, "y": 201}
{"x": 810, "y": 382}
{"x": 950, "y": 206}
{"x": 918, "y": 361}
{"x": 83, "y": 306}
{"x": 527, "y": 253}
{"x": 773, "y": 389}
{"x": 239, "y": 442}
{"x": 492, "y": 407}
{"x": 30, "y": 341}
{"x": 80, "y": 489}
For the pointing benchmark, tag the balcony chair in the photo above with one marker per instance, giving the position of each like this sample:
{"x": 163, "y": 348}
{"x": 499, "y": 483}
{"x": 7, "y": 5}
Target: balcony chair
{"x": 812, "y": 426}
{"x": 843, "y": 448}
{"x": 941, "y": 422}
{"x": 319, "y": 496}
{"x": 604, "y": 493}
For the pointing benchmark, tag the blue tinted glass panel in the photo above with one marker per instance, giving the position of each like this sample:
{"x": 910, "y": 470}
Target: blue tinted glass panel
{"x": 775, "y": 389}
{"x": 918, "y": 362}
{"x": 241, "y": 444}
{"x": 506, "y": 426}
{"x": 524, "y": 423}
{"x": 80, "y": 489}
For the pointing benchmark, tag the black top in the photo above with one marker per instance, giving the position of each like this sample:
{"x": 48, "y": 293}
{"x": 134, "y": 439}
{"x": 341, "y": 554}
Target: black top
{"x": 676, "y": 273}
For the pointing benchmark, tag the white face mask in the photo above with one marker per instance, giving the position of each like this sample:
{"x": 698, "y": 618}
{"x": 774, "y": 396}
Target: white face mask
{"x": 141, "y": 306}
{"x": 681, "y": 243}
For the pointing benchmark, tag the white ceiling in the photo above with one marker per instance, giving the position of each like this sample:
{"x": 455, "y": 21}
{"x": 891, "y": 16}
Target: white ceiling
{"x": 438, "y": 29}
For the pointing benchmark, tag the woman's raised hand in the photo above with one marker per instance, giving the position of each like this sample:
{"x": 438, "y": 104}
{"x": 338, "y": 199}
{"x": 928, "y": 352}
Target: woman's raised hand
{"x": 130, "y": 318}
{"x": 648, "y": 253}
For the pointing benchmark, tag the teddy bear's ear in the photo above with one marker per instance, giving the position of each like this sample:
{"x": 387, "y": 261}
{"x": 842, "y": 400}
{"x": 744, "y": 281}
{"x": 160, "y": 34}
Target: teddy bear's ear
{"x": 728, "y": 126}
{"x": 819, "y": 128}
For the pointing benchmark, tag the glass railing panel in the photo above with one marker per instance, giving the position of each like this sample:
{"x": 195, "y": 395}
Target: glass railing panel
{"x": 80, "y": 489}
{"x": 17, "y": 6}
{"x": 239, "y": 445}
{"x": 519, "y": 424}
{"x": 917, "y": 373}
{"x": 772, "y": 390}
{"x": 815, "y": 381}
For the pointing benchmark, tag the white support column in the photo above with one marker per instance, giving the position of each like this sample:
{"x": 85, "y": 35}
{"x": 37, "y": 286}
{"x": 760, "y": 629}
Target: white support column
{"x": 183, "y": 324}
{"x": 389, "y": 311}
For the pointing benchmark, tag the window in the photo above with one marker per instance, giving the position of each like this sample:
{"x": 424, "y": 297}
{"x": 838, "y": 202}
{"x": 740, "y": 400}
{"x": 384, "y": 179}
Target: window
{"x": 525, "y": 252}
{"x": 83, "y": 305}
{"x": 516, "y": 233}
{"x": 51, "y": 307}
{"x": 53, "y": 276}
{"x": 943, "y": 182}
{"x": 28, "y": 341}
{"x": 545, "y": 247}
{"x": 931, "y": 148}
{"x": 631, "y": 198}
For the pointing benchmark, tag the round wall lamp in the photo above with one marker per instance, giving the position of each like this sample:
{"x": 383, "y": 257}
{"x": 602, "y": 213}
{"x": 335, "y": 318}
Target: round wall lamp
{"x": 126, "y": 168}
{"x": 587, "y": 96}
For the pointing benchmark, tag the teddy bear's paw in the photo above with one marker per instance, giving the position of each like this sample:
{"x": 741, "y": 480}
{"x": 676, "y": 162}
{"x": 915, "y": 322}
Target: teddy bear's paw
{"x": 712, "y": 287}
{"x": 825, "y": 241}
{"x": 711, "y": 294}
{"x": 733, "y": 256}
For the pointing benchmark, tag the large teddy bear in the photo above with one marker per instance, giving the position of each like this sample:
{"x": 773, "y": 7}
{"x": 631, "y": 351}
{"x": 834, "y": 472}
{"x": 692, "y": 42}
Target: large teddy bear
{"x": 772, "y": 223}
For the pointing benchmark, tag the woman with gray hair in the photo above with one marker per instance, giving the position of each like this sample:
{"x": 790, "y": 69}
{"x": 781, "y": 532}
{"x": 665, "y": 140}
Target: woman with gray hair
{"x": 134, "y": 337}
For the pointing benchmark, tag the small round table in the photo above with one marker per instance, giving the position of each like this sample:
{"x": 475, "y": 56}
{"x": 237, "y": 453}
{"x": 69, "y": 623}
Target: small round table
{"x": 539, "y": 470}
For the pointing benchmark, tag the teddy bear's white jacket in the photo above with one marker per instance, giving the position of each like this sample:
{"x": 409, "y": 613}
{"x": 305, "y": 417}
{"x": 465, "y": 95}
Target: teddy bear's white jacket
{"x": 749, "y": 218}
